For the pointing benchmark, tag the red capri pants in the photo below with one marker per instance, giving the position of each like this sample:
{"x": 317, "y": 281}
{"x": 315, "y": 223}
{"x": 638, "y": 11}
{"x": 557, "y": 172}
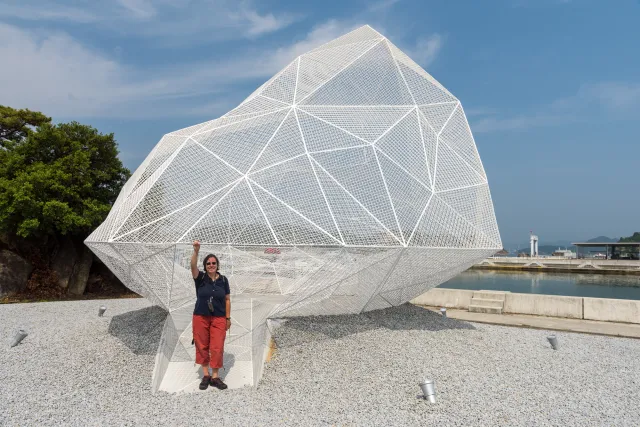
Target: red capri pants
{"x": 209, "y": 333}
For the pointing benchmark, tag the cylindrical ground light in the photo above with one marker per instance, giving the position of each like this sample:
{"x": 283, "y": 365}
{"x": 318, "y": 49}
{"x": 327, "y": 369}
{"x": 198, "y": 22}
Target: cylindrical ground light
{"x": 428, "y": 390}
{"x": 553, "y": 341}
{"x": 20, "y": 335}
{"x": 443, "y": 311}
{"x": 101, "y": 310}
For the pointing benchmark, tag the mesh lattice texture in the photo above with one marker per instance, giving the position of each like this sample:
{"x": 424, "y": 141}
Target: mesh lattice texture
{"x": 349, "y": 181}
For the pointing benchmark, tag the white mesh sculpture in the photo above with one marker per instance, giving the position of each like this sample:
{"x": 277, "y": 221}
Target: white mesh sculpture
{"x": 348, "y": 182}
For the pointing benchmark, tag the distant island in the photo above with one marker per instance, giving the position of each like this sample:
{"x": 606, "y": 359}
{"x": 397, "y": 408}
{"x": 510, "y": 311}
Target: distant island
{"x": 602, "y": 239}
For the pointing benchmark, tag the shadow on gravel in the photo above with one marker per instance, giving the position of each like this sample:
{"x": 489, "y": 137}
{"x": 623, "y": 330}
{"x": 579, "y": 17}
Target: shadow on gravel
{"x": 402, "y": 318}
{"x": 139, "y": 330}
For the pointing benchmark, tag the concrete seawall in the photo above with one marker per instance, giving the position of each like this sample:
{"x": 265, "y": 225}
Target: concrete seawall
{"x": 612, "y": 310}
{"x": 561, "y": 265}
{"x": 603, "y": 309}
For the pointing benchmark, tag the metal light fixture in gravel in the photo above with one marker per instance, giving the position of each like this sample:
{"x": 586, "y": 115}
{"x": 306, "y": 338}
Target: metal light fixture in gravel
{"x": 101, "y": 310}
{"x": 443, "y": 311}
{"x": 20, "y": 335}
{"x": 553, "y": 341}
{"x": 428, "y": 390}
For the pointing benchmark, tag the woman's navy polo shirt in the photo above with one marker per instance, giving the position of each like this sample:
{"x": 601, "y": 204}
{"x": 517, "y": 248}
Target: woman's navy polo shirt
{"x": 216, "y": 290}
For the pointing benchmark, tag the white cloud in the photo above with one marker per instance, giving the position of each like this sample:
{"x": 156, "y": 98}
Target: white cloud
{"x": 262, "y": 24}
{"x": 60, "y": 76}
{"x": 481, "y": 111}
{"x": 381, "y": 5}
{"x": 160, "y": 22}
{"x": 613, "y": 96}
{"x": 498, "y": 123}
{"x": 46, "y": 12}
{"x": 53, "y": 73}
{"x": 426, "y": 49}
{"x": 604, "y": 99}
{"x": 318, "y": 36}
{"x": 65, "y": 77}
{"x": 139, "y": 8}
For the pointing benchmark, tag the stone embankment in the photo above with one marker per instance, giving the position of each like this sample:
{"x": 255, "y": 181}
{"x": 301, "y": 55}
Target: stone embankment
{"x": 560, "y": 265}
{"x": 602, "y": 309}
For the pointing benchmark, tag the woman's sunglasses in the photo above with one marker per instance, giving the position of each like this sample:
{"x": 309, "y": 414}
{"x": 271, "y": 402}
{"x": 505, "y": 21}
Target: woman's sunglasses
{"x": 212, "y": 263}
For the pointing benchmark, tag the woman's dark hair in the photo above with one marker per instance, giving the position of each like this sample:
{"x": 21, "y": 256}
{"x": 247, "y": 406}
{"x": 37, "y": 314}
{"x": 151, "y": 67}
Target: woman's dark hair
{"x": 204, "y": 263}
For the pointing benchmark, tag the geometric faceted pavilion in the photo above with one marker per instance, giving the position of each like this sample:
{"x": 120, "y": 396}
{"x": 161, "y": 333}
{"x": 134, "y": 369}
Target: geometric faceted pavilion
{"x": 350, "y": 181}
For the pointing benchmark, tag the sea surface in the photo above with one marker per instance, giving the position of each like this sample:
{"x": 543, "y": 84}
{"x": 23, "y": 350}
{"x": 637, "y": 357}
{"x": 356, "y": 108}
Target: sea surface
{"x": 568, "y": 284}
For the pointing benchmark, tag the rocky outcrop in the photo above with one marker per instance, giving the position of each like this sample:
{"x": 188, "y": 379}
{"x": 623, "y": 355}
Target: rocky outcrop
{"x": 80, "y": 275}
{"x": 14, "y": 272}
{"x": 64, "y": 261}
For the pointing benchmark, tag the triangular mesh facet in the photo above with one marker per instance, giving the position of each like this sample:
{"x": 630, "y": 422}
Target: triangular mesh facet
{"x": 373, "y": 79}
{"x": 294, "y": 183}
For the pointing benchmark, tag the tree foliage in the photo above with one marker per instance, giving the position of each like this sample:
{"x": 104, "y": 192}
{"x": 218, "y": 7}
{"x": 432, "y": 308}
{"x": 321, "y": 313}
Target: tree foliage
{"x": 55, "y": 179}
{"x": 17, "y": 124}
{"x": 633, "y": 238}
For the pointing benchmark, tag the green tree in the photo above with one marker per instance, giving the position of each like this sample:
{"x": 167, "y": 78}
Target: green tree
{"x": 15, "y": 125}
{"x": 57, "y": 179}
{"x": 633, "y": 238}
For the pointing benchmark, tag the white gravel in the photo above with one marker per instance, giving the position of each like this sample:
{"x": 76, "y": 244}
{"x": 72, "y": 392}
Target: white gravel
{"x": 77, "y": 368}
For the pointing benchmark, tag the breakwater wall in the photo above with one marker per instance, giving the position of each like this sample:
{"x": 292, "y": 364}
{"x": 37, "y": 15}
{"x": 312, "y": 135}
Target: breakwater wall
{"x": 602, "y": 309}
{"x": 560, "y": 265}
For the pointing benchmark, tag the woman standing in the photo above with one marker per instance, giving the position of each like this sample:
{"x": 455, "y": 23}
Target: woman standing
{"x": 211, "y": 317}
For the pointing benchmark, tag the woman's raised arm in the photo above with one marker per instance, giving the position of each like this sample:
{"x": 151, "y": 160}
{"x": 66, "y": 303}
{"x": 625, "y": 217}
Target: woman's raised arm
{"x": 194, "y": 259}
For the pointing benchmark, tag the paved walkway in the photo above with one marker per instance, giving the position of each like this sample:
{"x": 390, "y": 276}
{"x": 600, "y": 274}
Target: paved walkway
{"x": 553, "y": 323}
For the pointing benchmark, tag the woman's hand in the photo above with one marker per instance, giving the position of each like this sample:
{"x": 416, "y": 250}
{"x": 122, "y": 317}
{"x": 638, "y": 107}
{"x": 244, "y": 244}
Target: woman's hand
{"x": 228, "y": 324}
{"x": 194, "y": 259}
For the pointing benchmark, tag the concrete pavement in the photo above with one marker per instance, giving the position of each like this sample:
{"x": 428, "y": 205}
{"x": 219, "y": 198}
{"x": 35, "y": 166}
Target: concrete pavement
{"x": 627, "y": 330}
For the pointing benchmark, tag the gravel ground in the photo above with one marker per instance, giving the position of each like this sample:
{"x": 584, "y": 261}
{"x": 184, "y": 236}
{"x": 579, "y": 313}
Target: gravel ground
{"x": 77, "y": 368}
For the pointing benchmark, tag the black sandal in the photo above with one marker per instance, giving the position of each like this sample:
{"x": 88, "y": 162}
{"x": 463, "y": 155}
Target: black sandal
{"x": 217, "y": 383}
{"x": 205, "y": 382}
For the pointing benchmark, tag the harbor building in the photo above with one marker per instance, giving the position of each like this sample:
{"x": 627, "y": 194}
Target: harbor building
{"x": 608, "y": 250}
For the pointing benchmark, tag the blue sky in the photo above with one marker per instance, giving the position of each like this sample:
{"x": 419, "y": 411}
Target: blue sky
{"x": 551, "y": 87}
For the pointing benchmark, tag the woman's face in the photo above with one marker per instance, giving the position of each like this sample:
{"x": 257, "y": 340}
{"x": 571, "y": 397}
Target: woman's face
{"x": 211, "y": 265}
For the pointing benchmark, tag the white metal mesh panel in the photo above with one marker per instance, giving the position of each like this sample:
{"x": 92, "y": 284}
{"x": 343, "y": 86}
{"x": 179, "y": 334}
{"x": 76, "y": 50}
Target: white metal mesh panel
{"x": 349, "y": 181}
{"x": 239, "y": 144}
{"x": 411, "y": 155}
{"x": 363, "y": 181}
{"x": 257, "y": 106}
{"x": 424, "y": 88}
{"x": 361, "y": 34}
{"x": 164, "y": 149}
{"x": 457, "y": 135}
{"x": 317, "y": 67}
{"x": 365, "y": 122}
{"x": 285, "y": 144}
{"x": 322, "y": 135}
{"x": 294, "y": 184}
{"x": 372, "y": 79}
{"x": 437, "y": 115}
{"x": 283, "y": 87}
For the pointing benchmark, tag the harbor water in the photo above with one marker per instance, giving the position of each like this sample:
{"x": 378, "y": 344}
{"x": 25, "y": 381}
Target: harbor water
{"x": 567, "y": 284}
